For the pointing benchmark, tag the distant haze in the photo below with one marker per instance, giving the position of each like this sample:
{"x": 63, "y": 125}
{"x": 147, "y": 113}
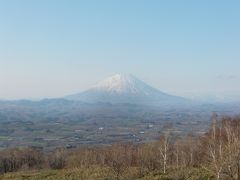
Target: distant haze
{"x": 56, "y": 48}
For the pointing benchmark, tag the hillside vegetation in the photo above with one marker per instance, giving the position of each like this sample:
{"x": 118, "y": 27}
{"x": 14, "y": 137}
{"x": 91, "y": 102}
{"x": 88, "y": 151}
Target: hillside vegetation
{"x": 214, "y": 155}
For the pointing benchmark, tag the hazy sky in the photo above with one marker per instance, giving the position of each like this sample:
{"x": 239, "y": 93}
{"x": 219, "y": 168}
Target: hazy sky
{"x": 51, "y": 48}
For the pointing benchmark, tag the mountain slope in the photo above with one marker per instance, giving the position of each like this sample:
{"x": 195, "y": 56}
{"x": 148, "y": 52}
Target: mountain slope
{"x": 122, "y": 88}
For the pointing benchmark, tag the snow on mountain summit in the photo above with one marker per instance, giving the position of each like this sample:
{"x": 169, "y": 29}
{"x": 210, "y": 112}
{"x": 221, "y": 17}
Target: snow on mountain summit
{"x": 121, "y": 83}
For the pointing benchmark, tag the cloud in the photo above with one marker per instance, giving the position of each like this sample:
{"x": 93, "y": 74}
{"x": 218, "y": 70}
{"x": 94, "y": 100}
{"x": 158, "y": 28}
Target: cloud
{"x": 226, "y": 77}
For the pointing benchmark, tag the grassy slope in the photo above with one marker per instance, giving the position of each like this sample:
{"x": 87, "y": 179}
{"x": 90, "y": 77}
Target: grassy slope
{"x": 98, "y": 173}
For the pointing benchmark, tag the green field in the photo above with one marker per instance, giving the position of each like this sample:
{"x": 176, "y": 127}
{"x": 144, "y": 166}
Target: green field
{"x": 4, "y": 138}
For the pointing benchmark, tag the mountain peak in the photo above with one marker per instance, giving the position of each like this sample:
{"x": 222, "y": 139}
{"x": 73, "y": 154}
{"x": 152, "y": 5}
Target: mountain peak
{"x": 124, "y": 88}
{"x": 119, "y": 83}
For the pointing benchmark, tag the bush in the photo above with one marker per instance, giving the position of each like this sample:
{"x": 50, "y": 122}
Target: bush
{"x": 57, "y": 160}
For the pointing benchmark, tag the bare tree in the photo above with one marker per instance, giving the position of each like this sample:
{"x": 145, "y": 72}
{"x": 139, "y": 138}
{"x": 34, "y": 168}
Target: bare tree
{"x": 164, "y": 147}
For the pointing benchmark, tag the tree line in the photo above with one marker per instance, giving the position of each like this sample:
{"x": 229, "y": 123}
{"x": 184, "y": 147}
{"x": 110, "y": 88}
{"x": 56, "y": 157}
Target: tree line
{"x": 217, "y": 152}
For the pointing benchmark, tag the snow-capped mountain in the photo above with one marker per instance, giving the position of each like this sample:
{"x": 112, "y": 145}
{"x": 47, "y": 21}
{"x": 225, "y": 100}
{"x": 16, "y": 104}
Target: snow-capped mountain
{"x": 124, "y": 88}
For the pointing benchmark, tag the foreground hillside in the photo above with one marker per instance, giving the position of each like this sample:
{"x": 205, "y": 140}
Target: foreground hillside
{"x": 105, "y": 173}
{"x": 214, "y": 155}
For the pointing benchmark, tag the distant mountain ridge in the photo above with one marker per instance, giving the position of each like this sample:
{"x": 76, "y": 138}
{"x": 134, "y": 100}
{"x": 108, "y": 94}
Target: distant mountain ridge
{"x": 125, "y": 88}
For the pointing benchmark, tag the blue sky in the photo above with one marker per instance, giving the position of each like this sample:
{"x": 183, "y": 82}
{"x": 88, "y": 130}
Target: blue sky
{"x": 51, "y": 48}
